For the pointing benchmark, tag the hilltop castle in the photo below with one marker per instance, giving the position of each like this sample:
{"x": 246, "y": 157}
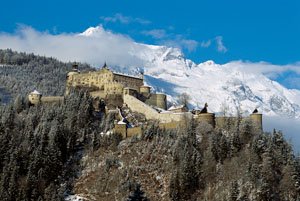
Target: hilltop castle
{"x": 111, "y": 87}
{"x": 117, "y": 90}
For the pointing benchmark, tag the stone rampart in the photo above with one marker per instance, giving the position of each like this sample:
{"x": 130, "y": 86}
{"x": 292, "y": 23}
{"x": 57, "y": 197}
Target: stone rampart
{"x": 134, "y": 131}
{"x": 52, "y": 99}
{"x": 165, "y": 117}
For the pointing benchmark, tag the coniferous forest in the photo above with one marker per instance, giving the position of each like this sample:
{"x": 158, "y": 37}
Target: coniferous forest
{"x": 51, "y": 151}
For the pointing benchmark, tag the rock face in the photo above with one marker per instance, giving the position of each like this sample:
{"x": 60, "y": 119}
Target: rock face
{"x": 231, "y": 87}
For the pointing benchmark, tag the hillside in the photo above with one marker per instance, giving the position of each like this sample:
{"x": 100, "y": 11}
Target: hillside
{"x": 66, "y": 151}
{"x": 21, "y": 73}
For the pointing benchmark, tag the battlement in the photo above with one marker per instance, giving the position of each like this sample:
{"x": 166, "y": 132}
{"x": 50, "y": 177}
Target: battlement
{"x": 36, "y": 97}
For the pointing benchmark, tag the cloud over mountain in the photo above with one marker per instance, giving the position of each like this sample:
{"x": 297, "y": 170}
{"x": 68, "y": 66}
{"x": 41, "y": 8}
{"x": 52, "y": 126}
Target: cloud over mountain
{"x": 97, "y": 45}
{"x": 235, "y": 82}
{"x": 168, "y": 70}
{"x": 103, "y": 46}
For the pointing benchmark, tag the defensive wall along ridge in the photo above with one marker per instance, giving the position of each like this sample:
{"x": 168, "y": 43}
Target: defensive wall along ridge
{"x": 163, "y": 117}
{"x": 117, "y": 89}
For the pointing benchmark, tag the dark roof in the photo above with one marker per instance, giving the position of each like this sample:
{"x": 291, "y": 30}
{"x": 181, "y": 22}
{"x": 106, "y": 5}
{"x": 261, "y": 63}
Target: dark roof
{"x": 105, "y": 65}
{"x": 131, "y": 76}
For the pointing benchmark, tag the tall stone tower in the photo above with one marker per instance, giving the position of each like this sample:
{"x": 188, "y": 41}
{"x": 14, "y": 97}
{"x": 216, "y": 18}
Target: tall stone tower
{"x": 70, "y": 75}
{"x": 257, "y": 120}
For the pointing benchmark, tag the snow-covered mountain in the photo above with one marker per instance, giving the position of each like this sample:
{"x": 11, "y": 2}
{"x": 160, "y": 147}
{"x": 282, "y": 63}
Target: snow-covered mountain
{"x": 224, "y": 87}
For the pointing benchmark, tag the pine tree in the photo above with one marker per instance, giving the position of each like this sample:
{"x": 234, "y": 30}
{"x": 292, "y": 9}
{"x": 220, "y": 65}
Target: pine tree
{"x": 137, "y": 195}
{"x": 234, "y": 191}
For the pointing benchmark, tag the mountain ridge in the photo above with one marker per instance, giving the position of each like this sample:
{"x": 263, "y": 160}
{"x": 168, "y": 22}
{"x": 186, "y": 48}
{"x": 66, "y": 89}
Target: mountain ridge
{"x": 220, "y": 85}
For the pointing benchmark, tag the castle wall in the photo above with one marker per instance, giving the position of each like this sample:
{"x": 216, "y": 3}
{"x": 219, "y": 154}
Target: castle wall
{"x": 102, "y": 80}
{"x": 34, "y": 98}
{"x": 145, "y": 90}
{"x": 138, "y": 106}
{"x": 121, "y": 129}
{"x": 206, "y": 117}
{"x": 114, "y": 100}
{"x": 134, "y": 131}
{"x": 128, "y": 81}
{"x": 172, "y": 125}
{"x": 257, "y": 120}
{"x": 128, "y": 132}
{"x": 100, "y": 94}
{"x": 226, "y": 122}
{"x": 52, "y": 99}
{"x": 90, "y": 79}
{"x": 113, "y": 88}
{"x": 158, "y": 100}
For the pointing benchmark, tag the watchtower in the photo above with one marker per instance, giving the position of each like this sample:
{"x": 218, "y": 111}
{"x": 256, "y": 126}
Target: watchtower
{"x": 35, "y": 97}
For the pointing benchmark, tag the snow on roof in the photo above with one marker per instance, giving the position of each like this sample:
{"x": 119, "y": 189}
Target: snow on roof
{"x": 127, "y": 75}
{"x": 175, "y": 107}
{"x": 36, "y": 92}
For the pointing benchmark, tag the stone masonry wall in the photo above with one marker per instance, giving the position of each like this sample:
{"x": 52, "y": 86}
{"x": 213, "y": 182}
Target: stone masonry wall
{"x": 138, "y": 106}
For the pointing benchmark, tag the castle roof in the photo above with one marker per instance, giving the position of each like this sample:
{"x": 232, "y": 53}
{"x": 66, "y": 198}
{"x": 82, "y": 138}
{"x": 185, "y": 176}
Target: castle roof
{"x": 36, "y": 92}
{"x": 105, "y": 65}
{"x": 131, "y": 76}
{"x": 176, "y": 107}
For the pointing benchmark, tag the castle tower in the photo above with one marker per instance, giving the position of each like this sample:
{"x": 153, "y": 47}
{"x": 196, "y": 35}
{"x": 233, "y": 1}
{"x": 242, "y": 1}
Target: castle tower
{"x": 161, "y": 101}
{"x": 35, "y": 97}
{"x": 206, "y": 117}
{"x": 257, "y": 119}
{"x": 70, "y": 77}
{"x": 105, "y": 65}
{"x": 145, "y": 90}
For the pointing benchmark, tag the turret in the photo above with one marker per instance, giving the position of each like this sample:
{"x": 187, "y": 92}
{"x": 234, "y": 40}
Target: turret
{"x": 145, "y": 90}
{"x": 206, "y": 117}
{"x": 34, "y": 97}
{"x": 74, "y": 71}
{"x": 70, "y": 76}
{"x": 161, "y": 101}
{"x": 257, "y": 119}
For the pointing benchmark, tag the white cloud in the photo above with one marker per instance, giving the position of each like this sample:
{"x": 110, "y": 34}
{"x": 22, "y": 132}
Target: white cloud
{"x": 116, "y": 49}
{"x": 106, "y": 46}
{"x": 162, "y": 37}
{"x": 220, "y": 45}
{"x": 206, "y": 44}
{"x": 218, "y": 41}
{"x": 181, "y": 43}
{"x": 118, "y": 17}
{"x": 156, "y": 33}
{"x": 270, "y": 70}
{"x": 289, "y": 127}
{"x": 287, "y": 75}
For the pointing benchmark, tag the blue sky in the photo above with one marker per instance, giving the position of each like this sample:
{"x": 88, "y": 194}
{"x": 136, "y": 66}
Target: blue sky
{"x": 205, "y": 29}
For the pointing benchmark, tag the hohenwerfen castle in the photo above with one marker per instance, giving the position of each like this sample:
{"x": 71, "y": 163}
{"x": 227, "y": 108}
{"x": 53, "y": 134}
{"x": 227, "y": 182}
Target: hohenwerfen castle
{"x": 117, "y": 90}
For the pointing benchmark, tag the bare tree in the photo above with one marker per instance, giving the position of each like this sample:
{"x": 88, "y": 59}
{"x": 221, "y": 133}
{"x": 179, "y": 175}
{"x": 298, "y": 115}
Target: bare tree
{"x": 184, "y": 99}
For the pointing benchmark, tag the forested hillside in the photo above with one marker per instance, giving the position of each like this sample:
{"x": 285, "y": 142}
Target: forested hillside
{"x": 48, "y": 152}
{"x": 21, "y": 73}
{"x": 41, "y": 146}
{"x": 198, "y": 163}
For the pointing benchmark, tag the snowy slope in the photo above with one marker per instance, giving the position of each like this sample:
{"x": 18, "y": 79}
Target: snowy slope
{"x": 221, "y": 86}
